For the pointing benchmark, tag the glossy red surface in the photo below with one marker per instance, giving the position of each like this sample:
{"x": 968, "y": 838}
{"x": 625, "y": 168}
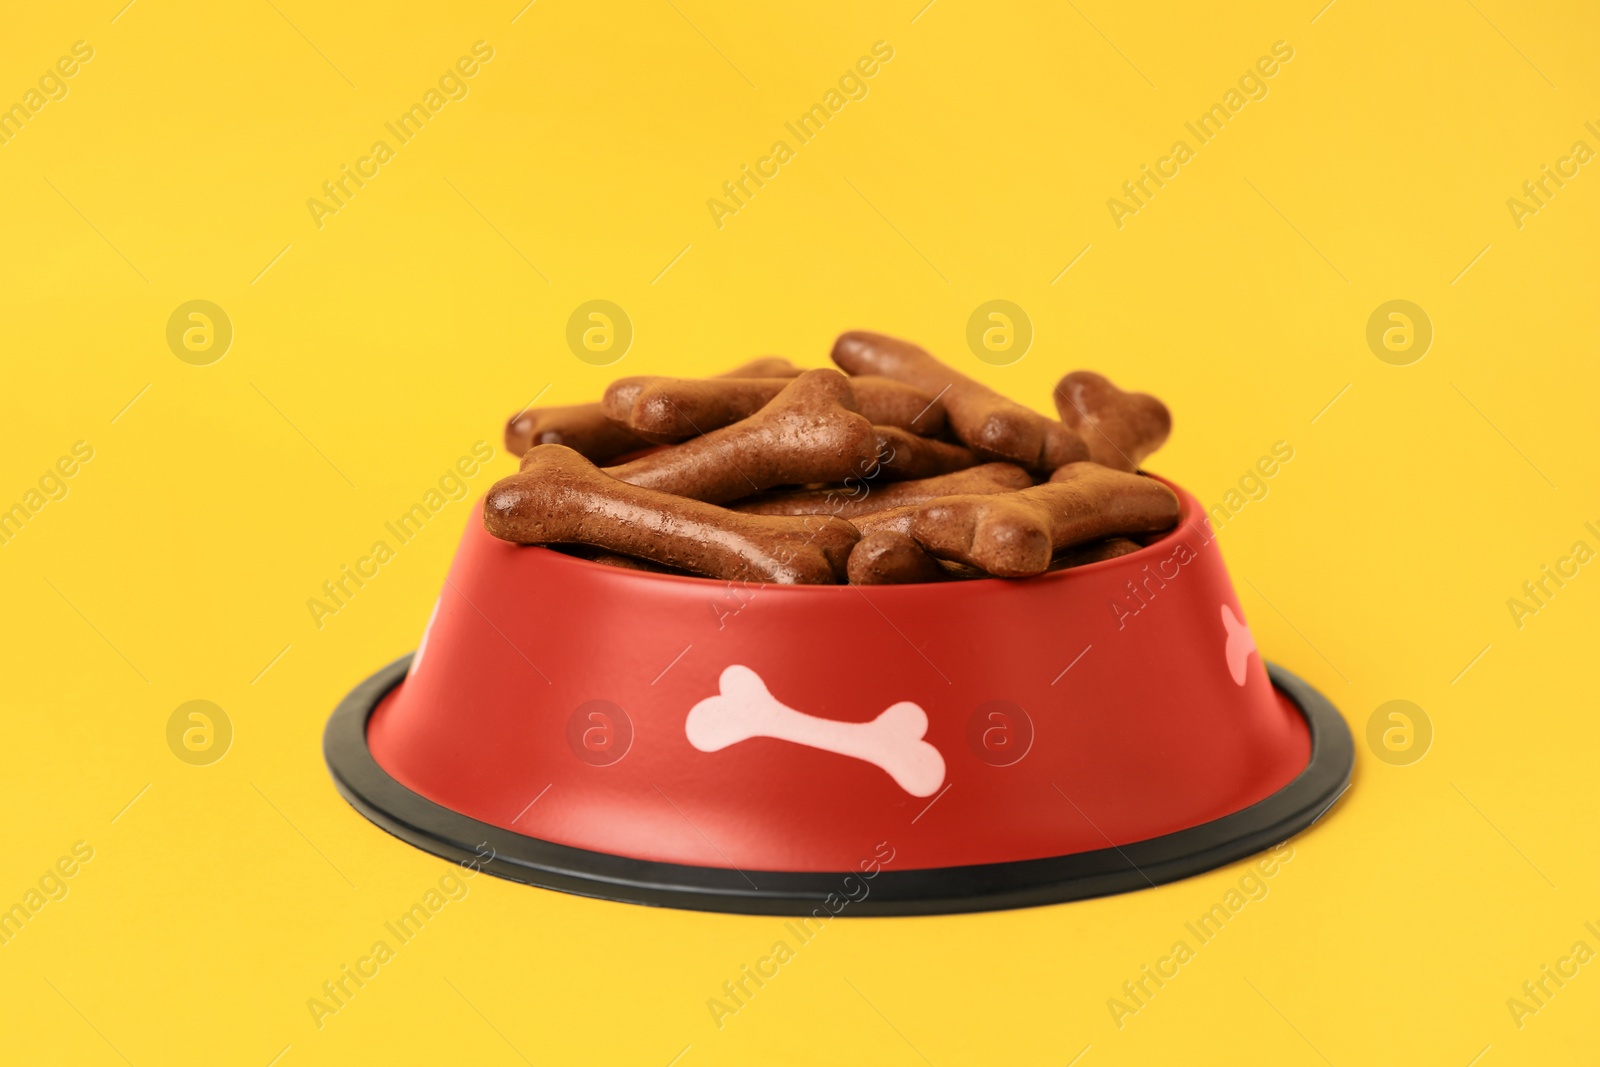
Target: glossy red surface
{"x": 1110, "y": 680}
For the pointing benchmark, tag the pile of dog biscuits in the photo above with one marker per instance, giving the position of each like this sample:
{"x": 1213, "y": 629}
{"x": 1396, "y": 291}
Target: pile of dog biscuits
{"x": 895, "y": 468}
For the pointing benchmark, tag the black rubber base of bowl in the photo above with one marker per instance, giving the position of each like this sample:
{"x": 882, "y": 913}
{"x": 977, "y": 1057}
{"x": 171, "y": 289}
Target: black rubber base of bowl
{"x": 929, "y": 891}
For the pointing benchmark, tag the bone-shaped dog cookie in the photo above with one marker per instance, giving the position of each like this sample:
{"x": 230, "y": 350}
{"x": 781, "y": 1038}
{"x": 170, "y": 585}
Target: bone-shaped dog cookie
{"x": 893, "y": 741}
{"x": 1240, "y": 644}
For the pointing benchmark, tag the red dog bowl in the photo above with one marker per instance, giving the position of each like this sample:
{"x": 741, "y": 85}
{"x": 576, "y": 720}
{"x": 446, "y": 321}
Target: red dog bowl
{"x": 909, "y": 749}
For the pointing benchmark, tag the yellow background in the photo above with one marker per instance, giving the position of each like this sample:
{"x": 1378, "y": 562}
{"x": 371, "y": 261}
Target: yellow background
{"x": 375, "y": 350}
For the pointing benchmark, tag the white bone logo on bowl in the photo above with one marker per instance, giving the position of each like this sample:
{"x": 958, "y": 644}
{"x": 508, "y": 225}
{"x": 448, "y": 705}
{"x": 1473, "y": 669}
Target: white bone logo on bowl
{"x": 892, "y": 742}
{"x": 1240, "y": 644}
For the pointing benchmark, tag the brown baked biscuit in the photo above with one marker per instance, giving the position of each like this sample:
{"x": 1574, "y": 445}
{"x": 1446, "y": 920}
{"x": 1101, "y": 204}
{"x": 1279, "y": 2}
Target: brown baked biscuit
{"x": 674, "y": 409}
{"x": 1120, "y": 428}
{"x": 993, "y": 426}
{"x": 1013, "y": 535}
{"x": 583, "y": 428}
{"x": 586, "y": 429}
{"x": 903, "y": 455}
{"x": 862, "y": 497}
{"x": 809, "y": 432}
{"x": 558, "y": 497}
{"x": 890, "y": 558}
